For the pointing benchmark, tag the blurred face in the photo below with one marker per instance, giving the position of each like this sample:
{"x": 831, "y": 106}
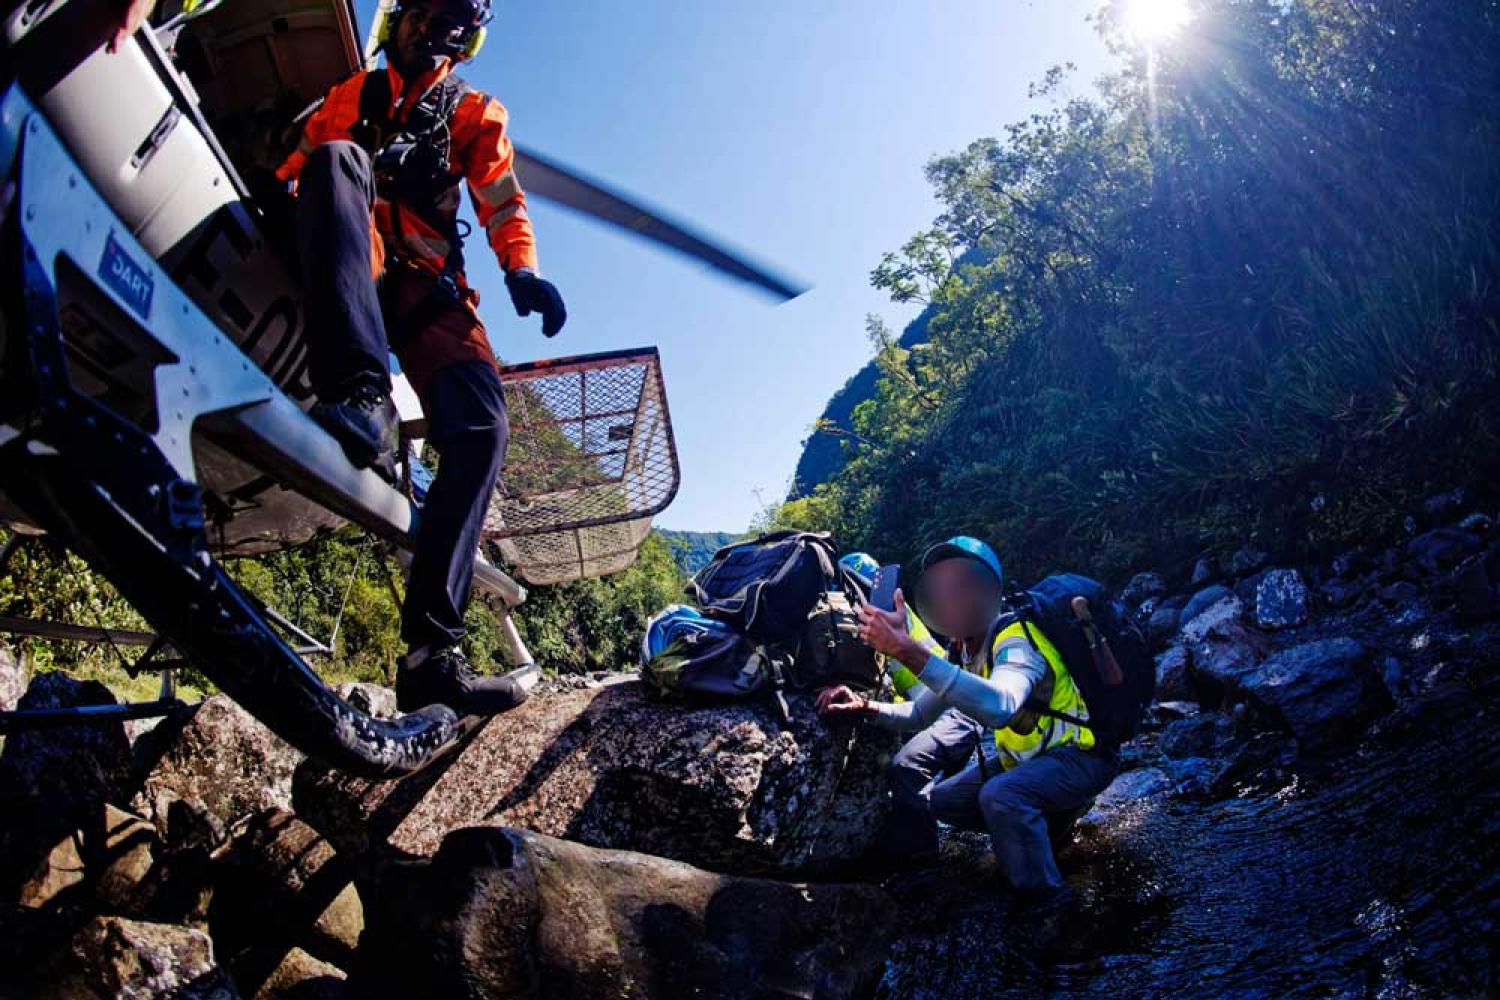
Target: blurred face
{"x": 959, "y": 598}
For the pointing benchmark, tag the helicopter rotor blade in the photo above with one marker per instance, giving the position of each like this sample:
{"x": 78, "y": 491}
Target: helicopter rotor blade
{"x": 549, "y": 179}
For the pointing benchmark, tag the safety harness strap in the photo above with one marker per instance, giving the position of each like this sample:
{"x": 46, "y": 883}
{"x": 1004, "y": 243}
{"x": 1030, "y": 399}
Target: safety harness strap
{"x": 428, "y": 122}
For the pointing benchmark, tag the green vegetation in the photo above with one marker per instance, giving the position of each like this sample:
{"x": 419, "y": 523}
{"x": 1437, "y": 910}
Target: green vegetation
{"x": 342, "y": 581}
{"x": 1250, "y": 289}
{"x": 692, "y": 550}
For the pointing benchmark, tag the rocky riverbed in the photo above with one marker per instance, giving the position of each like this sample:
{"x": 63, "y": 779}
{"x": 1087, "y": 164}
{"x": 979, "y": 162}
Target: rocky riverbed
{"x": 1312, "y": 811}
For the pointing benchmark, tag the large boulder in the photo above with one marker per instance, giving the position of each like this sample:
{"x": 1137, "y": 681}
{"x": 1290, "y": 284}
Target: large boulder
{"x": 112, "y": 957}
{"x": 506, "y": 913}
{"x": 56, "y": 781}
{"x": 279, "y": 886}
{"x": 76, "y": 768}
{"x": 1141, "y": 587}
{"x": 113, "y": 860}
{"x": 729, "y": 787}
{"x": 1172, "y": 668}
{"x": 1161, "y": 625}
{"x": 1281, "y": 599}
{"x": 219, "y": 763}
{"x": 1323, "y": 692}
{"x": 300, "y": 976}
{"x": 1440, "y": 550}
{"x": 1216, "y": 597}
{"x": 1222, "y": 651}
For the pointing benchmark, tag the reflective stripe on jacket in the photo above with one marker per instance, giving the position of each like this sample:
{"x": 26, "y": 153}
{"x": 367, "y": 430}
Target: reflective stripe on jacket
{"x": 903, "y": 679}
{"x": 481, "y": 149}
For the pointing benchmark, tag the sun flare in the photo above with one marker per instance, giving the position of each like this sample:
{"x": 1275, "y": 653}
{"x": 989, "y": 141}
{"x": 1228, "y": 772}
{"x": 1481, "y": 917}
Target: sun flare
{"x": 1151, "y": 22}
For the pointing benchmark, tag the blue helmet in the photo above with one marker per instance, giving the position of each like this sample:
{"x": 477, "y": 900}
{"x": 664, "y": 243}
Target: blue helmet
{"x": 862, "y": 565}
{"x": 964, "y": 547}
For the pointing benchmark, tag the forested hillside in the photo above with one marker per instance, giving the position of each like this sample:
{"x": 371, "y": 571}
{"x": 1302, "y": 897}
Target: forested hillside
{"x": 1247, "y": 289}
{"x": 691, "y": 550}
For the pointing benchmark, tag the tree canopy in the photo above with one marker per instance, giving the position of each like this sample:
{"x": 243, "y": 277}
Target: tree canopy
{"x": 1247, "y": 288}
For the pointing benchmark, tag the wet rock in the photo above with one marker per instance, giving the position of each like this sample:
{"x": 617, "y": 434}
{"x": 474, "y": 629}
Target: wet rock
{"x": 1161, "y": 625}
{"x": 1203, "y": 600}
{"x": 113, "y": 957}
{"x": 1172, "y": 669}
{"x": 300, "y": 976}
{"x": 1129, "y": 789}
{"x": 1323, "y": 692}
{"x": 1260, "y": 761}
{"x": 1196, "y": 736}
{"x": 507, "y": 913}
{"x": 12, "y": 679}
{"x": 1281, "y": 600}
{"x": 1247, "y": 559}
{"x": 1440, "y": 550}
{"x": 278, "y": 885}
{"x": 1203, "y": 571}
{"x": 728, "y": 787}
{"x": 219, "y": 762}
{"x": 1142, "y": 587}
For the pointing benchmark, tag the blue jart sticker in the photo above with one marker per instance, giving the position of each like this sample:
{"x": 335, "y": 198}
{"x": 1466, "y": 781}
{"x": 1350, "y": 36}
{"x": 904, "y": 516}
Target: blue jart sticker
{"x": 132, "y": 282}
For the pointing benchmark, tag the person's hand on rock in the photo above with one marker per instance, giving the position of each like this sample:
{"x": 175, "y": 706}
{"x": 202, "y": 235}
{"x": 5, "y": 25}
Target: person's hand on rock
{"x": 841, "y": 700}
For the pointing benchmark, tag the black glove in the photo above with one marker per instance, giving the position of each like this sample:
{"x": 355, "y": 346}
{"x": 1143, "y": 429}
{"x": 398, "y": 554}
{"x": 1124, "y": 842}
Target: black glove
{"x": 530, "y": 292}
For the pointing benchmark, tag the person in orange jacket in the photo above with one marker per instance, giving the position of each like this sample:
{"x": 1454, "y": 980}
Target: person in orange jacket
{"x": 378, "y": 173}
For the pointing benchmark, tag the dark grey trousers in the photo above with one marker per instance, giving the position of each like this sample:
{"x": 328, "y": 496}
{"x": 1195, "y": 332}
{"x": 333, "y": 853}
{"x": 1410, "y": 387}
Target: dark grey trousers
{"x": 936, "y": 778}
{"x": 464, "y": 404}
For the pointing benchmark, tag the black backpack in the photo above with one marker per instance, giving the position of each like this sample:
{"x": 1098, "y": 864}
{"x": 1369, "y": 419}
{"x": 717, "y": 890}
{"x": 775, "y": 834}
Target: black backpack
{"x": 829, "y": 650}
{"x": 1117, "y": 702}
{"x": 710, "y": 665}
{"x": 767, "y": 586}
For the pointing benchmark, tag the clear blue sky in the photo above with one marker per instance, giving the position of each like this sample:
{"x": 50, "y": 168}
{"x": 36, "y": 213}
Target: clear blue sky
{"x": 795, "y": 131}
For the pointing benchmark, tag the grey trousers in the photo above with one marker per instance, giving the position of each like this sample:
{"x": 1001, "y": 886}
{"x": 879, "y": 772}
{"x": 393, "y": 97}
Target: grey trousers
{"x": 935, "y": 778}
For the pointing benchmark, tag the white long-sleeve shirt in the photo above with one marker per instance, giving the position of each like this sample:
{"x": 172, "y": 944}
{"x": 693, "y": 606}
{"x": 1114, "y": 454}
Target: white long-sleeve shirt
{"x": 991, "y": 701}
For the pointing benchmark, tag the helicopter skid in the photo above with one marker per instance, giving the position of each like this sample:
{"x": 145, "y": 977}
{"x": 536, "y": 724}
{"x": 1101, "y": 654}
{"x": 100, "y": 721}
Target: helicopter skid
{"x": 121, "y": 490}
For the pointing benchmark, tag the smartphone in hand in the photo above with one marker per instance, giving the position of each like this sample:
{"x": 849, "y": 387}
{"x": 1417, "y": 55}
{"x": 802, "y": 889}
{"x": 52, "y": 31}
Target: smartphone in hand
{"x": 883, "y": 590}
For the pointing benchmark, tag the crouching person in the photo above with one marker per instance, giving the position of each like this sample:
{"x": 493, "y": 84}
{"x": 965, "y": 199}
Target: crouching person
{"x": 989, "y": 755}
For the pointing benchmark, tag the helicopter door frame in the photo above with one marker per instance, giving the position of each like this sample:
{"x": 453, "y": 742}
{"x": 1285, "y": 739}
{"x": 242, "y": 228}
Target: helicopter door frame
{"x": 211, "y": 386}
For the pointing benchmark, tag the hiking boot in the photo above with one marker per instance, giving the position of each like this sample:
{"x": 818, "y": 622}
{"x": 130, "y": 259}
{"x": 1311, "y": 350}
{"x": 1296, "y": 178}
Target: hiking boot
{"x": 363, "y": 421}
{"x": 444, "y": 677}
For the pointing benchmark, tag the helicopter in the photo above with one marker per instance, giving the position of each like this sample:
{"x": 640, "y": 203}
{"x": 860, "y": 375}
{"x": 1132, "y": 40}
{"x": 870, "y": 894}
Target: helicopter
{"x": 153, "y": 374}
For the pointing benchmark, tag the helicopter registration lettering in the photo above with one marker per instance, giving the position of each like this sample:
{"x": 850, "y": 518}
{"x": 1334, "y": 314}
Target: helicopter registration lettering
{"x": 130, "y": 281}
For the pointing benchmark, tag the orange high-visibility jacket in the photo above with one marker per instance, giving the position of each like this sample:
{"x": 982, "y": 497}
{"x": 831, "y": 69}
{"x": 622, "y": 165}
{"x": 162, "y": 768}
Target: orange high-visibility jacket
{"x": 481, "y": 149}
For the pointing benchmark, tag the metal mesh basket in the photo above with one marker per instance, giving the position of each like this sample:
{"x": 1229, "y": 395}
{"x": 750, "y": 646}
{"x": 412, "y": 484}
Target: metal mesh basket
{"x": 591, "y": 461}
